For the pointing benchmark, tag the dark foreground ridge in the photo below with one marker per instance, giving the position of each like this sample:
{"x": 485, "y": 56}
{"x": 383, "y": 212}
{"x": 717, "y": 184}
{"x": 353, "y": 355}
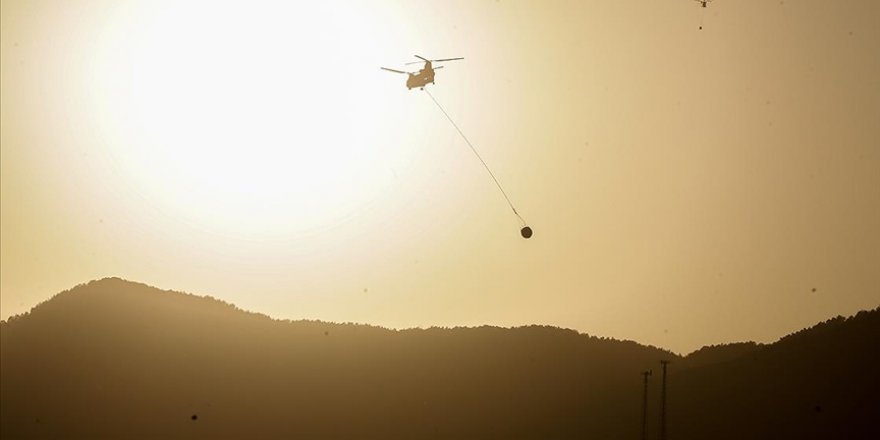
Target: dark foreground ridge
{"x": 116, "y": 359}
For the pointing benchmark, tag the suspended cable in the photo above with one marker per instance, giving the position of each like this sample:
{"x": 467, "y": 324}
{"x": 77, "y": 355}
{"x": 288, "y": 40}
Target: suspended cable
{"x": 526, "y": 231}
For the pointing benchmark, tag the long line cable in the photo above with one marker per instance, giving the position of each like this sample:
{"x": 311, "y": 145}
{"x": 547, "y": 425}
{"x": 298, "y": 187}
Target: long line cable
{"x": 497, "y": 183}
{"x": 702, "y": 14}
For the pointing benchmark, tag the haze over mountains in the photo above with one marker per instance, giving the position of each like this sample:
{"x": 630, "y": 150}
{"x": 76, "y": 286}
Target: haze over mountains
{"x": 117, "y": 359}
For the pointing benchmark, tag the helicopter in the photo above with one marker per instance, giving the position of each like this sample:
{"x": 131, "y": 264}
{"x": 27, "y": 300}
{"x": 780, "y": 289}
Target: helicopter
{"x": 424, "y": 76}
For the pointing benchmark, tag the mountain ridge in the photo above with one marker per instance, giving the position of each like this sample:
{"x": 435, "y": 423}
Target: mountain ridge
{"x": 118, "y": 359}
{"x": 114, "y": 281}
{"x": 219, "y": 304}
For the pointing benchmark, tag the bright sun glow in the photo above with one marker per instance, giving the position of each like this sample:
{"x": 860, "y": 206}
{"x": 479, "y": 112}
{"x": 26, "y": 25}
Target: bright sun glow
{"x": 249, "y": 122}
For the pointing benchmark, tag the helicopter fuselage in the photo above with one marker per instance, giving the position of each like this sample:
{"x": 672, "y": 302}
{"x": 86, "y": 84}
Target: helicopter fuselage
{"x": 424, "y": 76}
{"x": 421, "y": 78}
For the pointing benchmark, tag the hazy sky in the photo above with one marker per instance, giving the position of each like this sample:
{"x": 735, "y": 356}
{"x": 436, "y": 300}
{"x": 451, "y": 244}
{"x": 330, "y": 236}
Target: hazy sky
{"x": 686, "y": 186}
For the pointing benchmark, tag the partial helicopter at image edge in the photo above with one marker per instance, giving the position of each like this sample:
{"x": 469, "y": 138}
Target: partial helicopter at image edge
{"x": 424, "y": 76}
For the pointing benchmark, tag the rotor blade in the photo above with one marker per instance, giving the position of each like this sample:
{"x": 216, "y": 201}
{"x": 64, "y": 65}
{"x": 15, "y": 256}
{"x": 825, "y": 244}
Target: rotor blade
{"x": 421, "y": 58}
{"x": 395, "y": 71}
{"x": 437, "y": 61}
{"x": 438, "y": 67}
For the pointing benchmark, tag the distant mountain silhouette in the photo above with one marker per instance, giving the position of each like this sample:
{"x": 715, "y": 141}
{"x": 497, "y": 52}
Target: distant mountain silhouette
{"x": 817, "y": 383}
{"x": 116, "y": 359}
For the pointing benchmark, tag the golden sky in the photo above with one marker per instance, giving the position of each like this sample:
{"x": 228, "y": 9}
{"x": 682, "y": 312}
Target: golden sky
{"x": 686, "y": 186}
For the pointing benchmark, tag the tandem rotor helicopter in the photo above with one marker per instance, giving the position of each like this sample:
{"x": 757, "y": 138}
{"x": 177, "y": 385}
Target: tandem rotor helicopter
{"x": 424, "y": 76}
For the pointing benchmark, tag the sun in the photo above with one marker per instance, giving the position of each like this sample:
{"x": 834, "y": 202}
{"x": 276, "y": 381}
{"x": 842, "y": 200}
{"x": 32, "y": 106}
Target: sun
{"x": 243, "y": 120}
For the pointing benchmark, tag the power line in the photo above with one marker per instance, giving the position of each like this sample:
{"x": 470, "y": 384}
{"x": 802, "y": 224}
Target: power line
{"x": 645, "y": 406}
{"x": 664, "y": 363}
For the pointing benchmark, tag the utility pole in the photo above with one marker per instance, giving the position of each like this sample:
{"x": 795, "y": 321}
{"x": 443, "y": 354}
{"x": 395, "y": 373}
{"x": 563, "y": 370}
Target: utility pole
{"x": 645, "y": 406}
{"x": 664, "y": 363}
